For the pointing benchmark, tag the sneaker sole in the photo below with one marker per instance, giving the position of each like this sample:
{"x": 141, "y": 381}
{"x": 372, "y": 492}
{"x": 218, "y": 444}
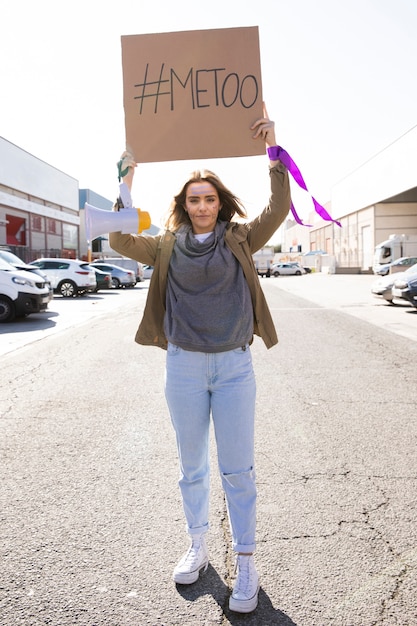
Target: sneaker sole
{"x": 244, "y": 606}
{"x": 192, "y": 577}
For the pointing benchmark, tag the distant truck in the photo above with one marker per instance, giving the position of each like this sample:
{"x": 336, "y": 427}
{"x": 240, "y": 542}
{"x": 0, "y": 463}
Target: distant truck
{"x": 395, "y": 247}
{"x": 263, "y": 260}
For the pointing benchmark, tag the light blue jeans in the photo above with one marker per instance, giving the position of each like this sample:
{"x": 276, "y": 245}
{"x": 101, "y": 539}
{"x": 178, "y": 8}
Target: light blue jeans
{"x": 222, "y": 385}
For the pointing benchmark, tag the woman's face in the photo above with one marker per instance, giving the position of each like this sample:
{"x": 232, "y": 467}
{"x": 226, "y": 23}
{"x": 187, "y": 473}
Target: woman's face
{"x": 202, "y": 205}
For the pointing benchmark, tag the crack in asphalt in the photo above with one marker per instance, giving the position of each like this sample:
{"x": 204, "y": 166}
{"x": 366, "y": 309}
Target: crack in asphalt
{"x": 398, "y": 570}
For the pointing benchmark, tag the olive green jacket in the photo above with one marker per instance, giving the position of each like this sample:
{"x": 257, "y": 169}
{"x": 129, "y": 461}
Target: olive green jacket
{"x": 242, "y": 239}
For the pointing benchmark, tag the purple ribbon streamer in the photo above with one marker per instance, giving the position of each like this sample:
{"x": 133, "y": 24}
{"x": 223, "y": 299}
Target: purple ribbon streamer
{"x": 277, "y": 153}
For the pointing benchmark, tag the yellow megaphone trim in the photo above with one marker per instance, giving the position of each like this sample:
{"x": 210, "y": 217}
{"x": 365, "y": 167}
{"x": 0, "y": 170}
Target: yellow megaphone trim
{"x": 144, "y": 220}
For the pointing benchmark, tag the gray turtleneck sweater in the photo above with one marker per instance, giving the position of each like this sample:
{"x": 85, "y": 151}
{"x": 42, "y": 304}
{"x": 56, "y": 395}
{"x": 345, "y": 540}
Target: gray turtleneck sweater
{"x": 208, "y": 305}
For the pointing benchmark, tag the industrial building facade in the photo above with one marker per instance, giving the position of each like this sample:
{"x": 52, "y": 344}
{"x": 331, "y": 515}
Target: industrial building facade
{"x": 39, "y": 206}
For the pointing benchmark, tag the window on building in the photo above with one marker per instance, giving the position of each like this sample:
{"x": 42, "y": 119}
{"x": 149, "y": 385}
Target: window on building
{"x": 36, "y": 222}
{"x": 70, "y": 236}
{"x": 96, "y": 245}
{"x": 51, "y": 226}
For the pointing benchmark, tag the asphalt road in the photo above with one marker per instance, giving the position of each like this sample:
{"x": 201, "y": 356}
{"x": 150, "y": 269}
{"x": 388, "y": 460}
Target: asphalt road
{"x": 91, "y": 520}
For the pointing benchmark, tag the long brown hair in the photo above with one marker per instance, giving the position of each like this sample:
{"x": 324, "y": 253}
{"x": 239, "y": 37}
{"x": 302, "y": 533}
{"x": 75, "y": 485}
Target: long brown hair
{"x": 229, "y": 202}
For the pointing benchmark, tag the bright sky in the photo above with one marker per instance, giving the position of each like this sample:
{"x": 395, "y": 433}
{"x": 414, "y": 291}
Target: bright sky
{"x": 339, "y": 80}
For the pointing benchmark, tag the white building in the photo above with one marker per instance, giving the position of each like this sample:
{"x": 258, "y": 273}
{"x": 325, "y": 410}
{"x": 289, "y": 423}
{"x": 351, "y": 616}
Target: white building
{"x": 39, "y": 206}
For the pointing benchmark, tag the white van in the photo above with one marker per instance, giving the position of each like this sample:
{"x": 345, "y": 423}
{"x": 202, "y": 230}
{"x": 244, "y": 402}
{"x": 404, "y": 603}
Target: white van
{"x": 21, "y": 292}
{"x": 127, "y": 264}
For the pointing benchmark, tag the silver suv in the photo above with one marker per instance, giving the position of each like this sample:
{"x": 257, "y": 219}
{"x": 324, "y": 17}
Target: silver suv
{"x": 120, "y": 277}
{"x": 127, "y": 264}
{"x": 68, "y": 277}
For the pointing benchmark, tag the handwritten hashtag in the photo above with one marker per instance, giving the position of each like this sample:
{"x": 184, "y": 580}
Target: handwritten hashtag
{"x": 156, "y": 91}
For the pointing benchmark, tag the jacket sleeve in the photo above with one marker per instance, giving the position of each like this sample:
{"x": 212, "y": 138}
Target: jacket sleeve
{"x": 261, "y": 229}
{"x": 141, "y": 248}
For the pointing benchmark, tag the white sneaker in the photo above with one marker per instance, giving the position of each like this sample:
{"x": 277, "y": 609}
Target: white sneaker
{"x": 244, "y": 598}
{"x": 196, "y": 559}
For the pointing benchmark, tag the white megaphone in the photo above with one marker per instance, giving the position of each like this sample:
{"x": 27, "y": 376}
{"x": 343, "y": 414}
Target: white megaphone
{"x": 100, "y": 222}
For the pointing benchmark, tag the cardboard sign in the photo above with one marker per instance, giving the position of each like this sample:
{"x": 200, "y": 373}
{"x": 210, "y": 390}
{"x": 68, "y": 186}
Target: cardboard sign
{"x": 192, "y": 94}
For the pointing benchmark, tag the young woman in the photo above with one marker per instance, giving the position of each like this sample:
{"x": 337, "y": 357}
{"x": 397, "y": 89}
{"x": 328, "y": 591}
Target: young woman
{"x": 204, "y": 305}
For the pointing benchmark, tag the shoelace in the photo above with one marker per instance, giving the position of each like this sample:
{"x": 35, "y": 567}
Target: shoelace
{"x": 192, "y": 555}
{"x": 244, "y": 573}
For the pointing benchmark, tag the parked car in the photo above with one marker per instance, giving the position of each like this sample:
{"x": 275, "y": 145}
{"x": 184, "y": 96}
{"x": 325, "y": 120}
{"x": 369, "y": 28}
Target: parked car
{"x": 405, "y": 287}
{"x": 287, "y": 269}
{"x": 383, "y": 286}
{"x": 119, "y": 276}
{"x": 69, "y": 277}
{"x": 147, "y": 271}
{"x": 21, "y": 292}
{"x": 14, "y": 260}
{"x": 127, "y": 264}
{"x": 400, "y": 265}
{"x": 103, "y": 279}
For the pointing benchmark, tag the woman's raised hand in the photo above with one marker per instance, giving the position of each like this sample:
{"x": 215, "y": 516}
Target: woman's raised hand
{"x": 265, "y": 128}
{"x": 126, "y": 167}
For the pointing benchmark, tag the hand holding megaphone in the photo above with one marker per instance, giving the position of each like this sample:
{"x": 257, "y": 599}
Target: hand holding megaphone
{"x": 128, "y": 219}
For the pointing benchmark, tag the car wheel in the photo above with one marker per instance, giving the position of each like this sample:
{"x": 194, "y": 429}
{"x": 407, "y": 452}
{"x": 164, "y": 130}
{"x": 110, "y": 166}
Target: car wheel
{"x": 115, "y": 282}
{"x": 298, "y": 273}
{"x": 276, "y": 274}
{"x": 7, "y": 310}
{"x": 67, "y": 289}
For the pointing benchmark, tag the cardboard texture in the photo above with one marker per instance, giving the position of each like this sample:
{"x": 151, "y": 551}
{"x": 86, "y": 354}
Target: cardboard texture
{"x": 192, "y": 94}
